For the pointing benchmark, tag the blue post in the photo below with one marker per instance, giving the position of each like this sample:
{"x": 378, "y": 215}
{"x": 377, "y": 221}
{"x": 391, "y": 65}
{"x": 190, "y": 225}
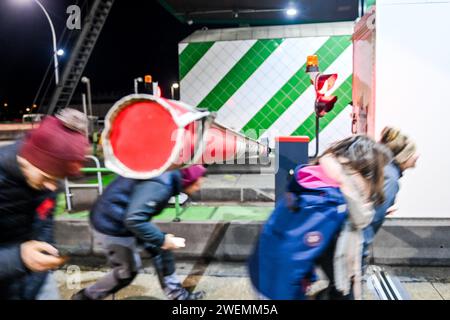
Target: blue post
{"x": 290, "y": 152}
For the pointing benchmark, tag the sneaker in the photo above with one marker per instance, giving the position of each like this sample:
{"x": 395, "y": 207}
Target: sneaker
{"x": 181, "y": 293}
{"x": 197, "y": 295}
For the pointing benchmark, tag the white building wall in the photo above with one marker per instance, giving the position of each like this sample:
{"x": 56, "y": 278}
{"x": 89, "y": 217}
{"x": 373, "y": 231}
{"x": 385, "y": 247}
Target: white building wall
{"x": 412, "y": 93}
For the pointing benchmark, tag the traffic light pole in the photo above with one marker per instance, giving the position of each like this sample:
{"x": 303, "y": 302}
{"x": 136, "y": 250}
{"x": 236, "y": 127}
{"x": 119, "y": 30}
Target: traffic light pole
{"x": 323, "y": 83}
{"x": 317, "y": 136}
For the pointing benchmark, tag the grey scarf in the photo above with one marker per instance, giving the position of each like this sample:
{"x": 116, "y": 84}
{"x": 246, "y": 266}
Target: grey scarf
{"x": 347, "y": 257}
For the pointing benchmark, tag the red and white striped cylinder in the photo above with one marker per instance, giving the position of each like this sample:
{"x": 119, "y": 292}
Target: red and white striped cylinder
{"x": 146, "y": 135}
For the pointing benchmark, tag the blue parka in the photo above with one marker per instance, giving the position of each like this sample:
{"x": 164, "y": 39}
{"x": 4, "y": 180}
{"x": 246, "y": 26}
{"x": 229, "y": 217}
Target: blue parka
{"x": 297, "y": 233}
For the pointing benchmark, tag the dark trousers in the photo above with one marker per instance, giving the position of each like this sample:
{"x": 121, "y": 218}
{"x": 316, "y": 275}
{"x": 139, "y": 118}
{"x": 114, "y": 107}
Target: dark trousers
{"x": 125, "y": 265}
{"x": 163, "y": 260}
{"x": 327, "y": 265}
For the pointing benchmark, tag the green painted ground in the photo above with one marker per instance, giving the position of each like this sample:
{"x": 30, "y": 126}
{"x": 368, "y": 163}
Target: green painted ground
{"x": 107, "y": 179}
{"x": 197, "y": 213}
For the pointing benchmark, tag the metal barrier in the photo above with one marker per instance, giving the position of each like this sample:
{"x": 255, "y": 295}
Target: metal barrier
{"x": 99, "y": 185}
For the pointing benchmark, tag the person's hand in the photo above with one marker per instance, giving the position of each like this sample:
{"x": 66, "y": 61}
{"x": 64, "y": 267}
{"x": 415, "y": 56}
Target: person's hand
{"x": 171, "y": 242}
{"x": 40, "y": 256}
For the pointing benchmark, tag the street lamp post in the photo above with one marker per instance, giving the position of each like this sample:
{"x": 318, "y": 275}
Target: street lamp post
{"x": 136, "y": 84}
{"x": 55, "y": 49}
{"x": 87, "y": 82}
{"x": 172, "y": 89}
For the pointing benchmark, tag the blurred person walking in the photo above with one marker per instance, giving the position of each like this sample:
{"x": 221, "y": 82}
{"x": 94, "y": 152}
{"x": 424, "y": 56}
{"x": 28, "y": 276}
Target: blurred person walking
{"x": 121, "y": 219}
{"x": 30, "y": 171}
{"x": 405, "y": 157}
{"x": 320, "y": 222}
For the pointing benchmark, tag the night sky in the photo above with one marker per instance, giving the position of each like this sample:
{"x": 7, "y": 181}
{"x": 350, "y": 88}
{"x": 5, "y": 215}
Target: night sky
{"x": 140, "y": 37}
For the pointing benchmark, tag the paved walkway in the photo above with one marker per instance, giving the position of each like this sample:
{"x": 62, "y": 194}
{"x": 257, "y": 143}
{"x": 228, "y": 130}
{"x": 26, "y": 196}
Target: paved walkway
{"x": 229, "y": 281}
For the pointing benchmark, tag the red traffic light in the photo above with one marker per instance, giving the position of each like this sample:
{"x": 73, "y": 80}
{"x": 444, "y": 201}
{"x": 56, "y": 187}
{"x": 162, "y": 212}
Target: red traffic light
{"x": 324, "y": 105}
{"x": 324, "y": 83}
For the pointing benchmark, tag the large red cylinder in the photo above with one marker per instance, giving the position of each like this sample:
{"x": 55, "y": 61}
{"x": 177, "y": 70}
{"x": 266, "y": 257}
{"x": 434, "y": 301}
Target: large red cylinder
{"x": 145, "y": 136}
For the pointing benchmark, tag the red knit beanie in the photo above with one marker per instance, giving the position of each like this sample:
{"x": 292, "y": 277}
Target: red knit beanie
{"x": 55, "y": 149}
{"x": 192, "y": 174}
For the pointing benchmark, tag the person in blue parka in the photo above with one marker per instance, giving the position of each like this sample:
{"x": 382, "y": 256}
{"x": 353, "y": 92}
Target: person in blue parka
{"x": 320, "y": 220}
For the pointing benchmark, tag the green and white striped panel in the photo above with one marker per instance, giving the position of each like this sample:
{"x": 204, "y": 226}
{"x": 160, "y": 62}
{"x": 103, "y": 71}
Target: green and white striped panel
{"x": 260, "y": 87}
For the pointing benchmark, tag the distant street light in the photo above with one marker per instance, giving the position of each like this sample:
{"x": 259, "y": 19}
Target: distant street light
{"x": 292, "y": 12}
{"x": 28, "y": 109}
{"x": 136, "y": 84}
{"x": 5, "y": 105}
{"x": 56, "y": 52}
{"x": 174, "y": 87}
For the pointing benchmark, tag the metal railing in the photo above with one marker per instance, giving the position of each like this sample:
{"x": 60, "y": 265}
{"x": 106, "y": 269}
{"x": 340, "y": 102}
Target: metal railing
{"x": 99, "y": 185}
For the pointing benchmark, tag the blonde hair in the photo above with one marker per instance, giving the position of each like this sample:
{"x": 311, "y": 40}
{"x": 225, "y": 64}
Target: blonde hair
{"x": 401, "y": 146}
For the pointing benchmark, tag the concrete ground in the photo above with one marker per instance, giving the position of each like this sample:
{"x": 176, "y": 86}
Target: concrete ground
{"x": 238, "y": 187}
{"x": 221, "y": 281}
{"x": 229, "y": 281}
